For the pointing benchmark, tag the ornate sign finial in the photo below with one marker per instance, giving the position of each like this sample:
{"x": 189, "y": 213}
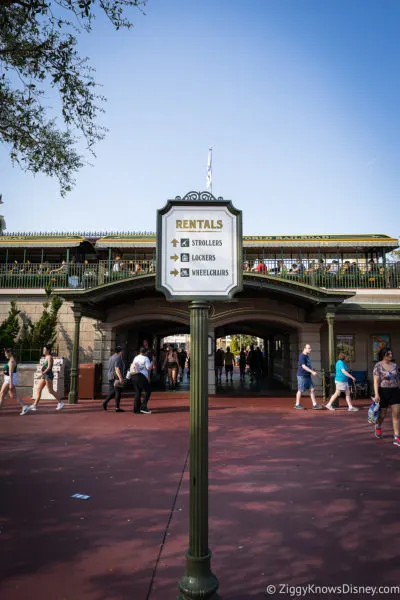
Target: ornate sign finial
{"x": 196, "y": 196}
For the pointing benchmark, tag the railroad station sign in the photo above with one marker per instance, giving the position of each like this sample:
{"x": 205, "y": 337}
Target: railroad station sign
{"x": 199, "y": 248}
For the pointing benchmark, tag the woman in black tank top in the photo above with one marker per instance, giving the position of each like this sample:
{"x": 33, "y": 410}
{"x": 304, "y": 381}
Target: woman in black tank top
{"x": 46, "y": 380}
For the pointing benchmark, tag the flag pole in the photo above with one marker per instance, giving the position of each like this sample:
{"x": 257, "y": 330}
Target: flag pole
{"x": 209, "y": 170}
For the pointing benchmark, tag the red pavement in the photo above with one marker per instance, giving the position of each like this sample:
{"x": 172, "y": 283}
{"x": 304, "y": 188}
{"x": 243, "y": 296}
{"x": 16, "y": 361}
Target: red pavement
{"x": 295, "y": 498}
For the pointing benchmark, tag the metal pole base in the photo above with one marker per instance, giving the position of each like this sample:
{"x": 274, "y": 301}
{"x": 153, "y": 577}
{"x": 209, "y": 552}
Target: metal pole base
{"x": 198, "y": 582}
{"x": 72, "y": 399}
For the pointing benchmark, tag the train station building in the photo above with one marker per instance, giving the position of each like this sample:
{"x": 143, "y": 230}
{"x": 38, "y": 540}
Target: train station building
{"x": 331, "y": 291}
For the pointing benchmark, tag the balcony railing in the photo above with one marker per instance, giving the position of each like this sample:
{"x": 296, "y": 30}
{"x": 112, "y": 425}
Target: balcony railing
{"x": 70, "y": 276}
{"x": 333, "y": 275}
{"x": 84, "y": 276}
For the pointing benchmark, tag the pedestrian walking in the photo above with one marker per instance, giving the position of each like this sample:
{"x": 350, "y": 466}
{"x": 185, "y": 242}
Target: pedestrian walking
{"x": 10, "y": 381}
{"x": 387, "y": 393}
{"x": 116, "y": 372}
{"x": 259, "y": 363}
{"x": 304, "y": 380}
{"x": 342, "y": 377}
{"x": 242, "y": 363}
{"x": 182, "y": 362}
{"x": 218, "y": 364}
{"x": 140, "y": 377}
{"x": 172, "y": 363}
{"x": 46, "y": 380}
{"x": 252, "y": 361}
{"x": 229, "y": 360}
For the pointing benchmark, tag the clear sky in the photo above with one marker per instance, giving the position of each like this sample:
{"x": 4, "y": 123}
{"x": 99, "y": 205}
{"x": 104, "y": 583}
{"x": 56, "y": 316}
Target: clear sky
{"x": 298, "y": 98}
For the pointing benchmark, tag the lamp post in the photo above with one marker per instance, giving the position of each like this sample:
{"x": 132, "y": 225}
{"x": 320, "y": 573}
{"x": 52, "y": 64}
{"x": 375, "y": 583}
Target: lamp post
{"x": 199, "y": 219}
{"x": 198, "y": 581}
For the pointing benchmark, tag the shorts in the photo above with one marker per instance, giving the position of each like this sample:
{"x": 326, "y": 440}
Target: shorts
{"x": 304, "y": 383}
{"x": 229, "y": 368}
{"x": 342, "y": 386}
{"x": 14, "y": 379}
{"x": 49, "y": 376}
{"x": 389, "y": 396}
{"x": 172, "y": 365}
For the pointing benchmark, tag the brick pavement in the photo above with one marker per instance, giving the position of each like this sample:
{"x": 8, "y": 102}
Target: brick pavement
{"x": 295, "y": 498}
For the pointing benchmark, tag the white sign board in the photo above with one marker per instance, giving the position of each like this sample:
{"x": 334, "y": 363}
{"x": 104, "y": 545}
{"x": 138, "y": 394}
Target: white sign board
{"x": 199, "y": 250}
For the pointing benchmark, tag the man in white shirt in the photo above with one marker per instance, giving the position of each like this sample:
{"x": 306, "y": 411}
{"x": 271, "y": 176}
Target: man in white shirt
{"x": 140, "y": 375}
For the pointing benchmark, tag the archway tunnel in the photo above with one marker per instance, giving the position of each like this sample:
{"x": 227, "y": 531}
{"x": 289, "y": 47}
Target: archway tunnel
{"x": 278, "y": 344}
{"x": 273, "y": 372}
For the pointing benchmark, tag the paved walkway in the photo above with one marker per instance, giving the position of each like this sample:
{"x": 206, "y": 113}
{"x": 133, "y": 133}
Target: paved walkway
{"x": 295, "y": 498}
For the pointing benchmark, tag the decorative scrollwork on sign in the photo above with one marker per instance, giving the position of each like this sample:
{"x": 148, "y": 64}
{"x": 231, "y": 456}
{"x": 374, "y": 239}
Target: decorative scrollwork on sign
{"x": 196, "y": 196}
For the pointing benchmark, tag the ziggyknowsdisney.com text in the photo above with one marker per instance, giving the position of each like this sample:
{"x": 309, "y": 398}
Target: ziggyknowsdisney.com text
{"x": 302, "y": 591}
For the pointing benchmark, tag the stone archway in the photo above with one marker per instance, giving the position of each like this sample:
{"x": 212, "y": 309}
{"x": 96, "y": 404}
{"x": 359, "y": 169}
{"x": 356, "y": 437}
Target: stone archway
{"x": 265, "y": 321}
{"x": 128, "y": 328}
{"x": 295, "y": 308}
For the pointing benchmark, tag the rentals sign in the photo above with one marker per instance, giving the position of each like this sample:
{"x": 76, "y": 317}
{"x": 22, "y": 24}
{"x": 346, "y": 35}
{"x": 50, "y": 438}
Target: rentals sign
{"x": 199, "y": 248}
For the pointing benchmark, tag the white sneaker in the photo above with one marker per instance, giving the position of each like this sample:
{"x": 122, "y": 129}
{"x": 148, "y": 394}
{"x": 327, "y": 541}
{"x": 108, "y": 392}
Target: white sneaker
{"x": 353, "y": 408}
{"x": 329, "y": 407}
{"x": 60, "y": 405}
{"x": 32, "y": 407}
{"x": 145, "y": 412}
{"x": 25, "y": 409}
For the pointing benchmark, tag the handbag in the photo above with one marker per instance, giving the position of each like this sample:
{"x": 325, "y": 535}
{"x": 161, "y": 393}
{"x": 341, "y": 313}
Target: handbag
{"x": 373, "y": 412}
{"x": 118, "y": 384}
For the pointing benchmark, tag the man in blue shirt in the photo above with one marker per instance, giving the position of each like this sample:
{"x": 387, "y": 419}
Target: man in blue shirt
{"x": 304, "y": 381}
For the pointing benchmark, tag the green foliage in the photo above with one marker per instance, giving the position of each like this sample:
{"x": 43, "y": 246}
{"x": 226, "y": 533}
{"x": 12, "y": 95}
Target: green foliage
{"x": 10, "y": 328}
{"x": 235, "y": 348}
{"x": 243, "y": 340}
{"x": 38, "y": 52}
{"x": 44, "y": 331}
{"x": 396, "y": 254}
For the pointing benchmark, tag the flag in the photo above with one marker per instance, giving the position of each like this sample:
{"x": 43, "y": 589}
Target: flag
{"x": 209, "y": 171}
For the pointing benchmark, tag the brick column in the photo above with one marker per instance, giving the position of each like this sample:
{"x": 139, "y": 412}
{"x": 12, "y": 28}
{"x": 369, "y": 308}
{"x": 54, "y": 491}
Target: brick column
{"x": 330, "y": 317}
{"x": 104, "y": 344}
{"x": 73, "y": 390}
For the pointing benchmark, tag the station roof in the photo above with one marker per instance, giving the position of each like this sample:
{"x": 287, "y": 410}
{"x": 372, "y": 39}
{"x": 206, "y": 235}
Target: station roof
{"x": 38, "y": 240}
{"x": 148, "y": 240}
{"x": 347, "y": 241}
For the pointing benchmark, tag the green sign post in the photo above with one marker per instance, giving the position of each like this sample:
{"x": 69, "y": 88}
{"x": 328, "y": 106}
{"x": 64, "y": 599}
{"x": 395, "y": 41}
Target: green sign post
{"x": 199, "y": 259}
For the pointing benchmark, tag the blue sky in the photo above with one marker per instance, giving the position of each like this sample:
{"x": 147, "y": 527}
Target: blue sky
{"x": 298, "y": 98}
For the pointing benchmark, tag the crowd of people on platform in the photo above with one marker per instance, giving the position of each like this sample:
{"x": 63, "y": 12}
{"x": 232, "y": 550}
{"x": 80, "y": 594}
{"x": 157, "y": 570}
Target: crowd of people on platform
{"x": 312, "y": 267}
